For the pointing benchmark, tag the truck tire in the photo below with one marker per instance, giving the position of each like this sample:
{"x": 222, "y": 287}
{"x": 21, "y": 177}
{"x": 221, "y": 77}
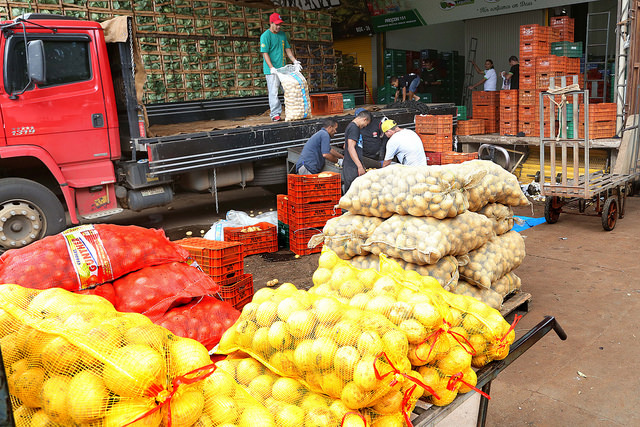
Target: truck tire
{"x": 28, "y": 212}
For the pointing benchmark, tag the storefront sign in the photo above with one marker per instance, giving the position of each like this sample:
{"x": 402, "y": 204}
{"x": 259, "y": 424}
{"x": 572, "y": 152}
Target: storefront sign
{"x": 396, "y": 21}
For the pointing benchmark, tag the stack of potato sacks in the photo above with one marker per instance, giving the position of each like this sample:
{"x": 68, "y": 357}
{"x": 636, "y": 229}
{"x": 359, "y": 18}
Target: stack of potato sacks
{"x": 449, "y": 222}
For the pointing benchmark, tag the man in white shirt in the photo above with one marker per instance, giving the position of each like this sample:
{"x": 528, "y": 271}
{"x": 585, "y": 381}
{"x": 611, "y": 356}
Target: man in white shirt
{"x": 404, "y": 144}
{"x": 490, "y": 79}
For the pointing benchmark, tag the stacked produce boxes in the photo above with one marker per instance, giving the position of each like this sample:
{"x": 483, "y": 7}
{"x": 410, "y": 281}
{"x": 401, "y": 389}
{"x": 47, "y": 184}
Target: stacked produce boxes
{"x": 195, "y": 50}
{"x": 602, "y": 121}
{"x": 470, "y": 127}
{"x": 508, "y": 112}
{"x": 486, "y": 106}
{"x": 256, "y": 239}
{"x": 310, "y": 202}
{"x": 538, "y": 66}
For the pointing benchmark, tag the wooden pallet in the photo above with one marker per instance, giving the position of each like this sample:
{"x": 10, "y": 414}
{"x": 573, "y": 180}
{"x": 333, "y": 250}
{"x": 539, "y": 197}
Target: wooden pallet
{"x": 516, "y": 303}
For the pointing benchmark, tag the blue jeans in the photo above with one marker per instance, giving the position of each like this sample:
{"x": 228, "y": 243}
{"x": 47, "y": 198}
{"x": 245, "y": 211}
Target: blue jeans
{"x": 273, "y": 84}
{"x": 413, "y": 86}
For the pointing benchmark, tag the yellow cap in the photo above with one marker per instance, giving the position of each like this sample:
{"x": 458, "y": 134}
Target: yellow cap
{"x": 388, "y": 124}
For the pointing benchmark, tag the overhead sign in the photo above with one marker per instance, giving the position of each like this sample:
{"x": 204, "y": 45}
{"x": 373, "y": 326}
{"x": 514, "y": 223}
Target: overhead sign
{"x": 396, "y": 21}
{"x": 439, "y": 11}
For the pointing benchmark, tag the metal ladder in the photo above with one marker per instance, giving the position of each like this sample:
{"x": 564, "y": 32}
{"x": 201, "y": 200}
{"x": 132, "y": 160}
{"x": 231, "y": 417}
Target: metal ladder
{"x": 468, "y": 76}
{"x": 594, "y": 48}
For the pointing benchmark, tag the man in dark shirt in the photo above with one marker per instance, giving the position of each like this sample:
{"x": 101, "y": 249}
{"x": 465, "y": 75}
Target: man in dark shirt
{"x": 317, "y": 149}
{"x": 352, "y": 166}
{"x": 371, "y": 138}
{"x": 513, "y": 76}
{"x": 407, "y": 86}
{"x": 430, "y": 78}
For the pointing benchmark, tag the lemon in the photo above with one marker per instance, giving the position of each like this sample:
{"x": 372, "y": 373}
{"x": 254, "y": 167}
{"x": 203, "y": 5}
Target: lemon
{"x": 324, "y": 350}
{"x": 354, "y": 396}
{"x": 266, "y": 313}
{"x": 416, "y": 333}
{"x": 151, "y": 335}
{"x": 286, "y": 307}
{"x": 389, "y": 403}
{"x": 221, "y": 409}
{"x": 287, "y": 288}
{"x": 128, "y": 410}
{"x": 457, "y": 360}
{"x": 360, "y": 301}
{"x": 367, "y": 278}
{"x": 283, "y": 363}
{"x": 421, "y": 354}
{"x": 345, "y": 361}
{"x": 41, "y": 419}
{"x": 350, "y": 288}
{"x": 278, "y": 335}
{"x": 331, "y": 384}
{"x": 345, "y": 333}
{"x": 54, "y": 399}
{"x": 340, "y": 275}
{"x": 260, "y": 387}
{"x": 133, "y": 369}
{"x": 87, "y": 399}
{"x": 364, "y": 375}
{"x": 313, "y": 400}
{"x": 320, "y": 417}
{"x": 328, "y": 259}
{"x": 52, "y": 301}
{"x": 187, "y": 355}
{"x": 301, "y": 323}
{"x": 287, "y": 390}
{"x": 244, "y": 330}
{"x": 186, "y": 407}
{"x": 247, "y": 370}
{"x": 321, "y": 276}
{"x": 260, "y": 343}
{"x": 327, "y": 310}
{"x": 290, "y": 416}
{"x": 27, "y": 387}
{"x": 445, "y": 397}
{"x": 255, "y": 415}
{"x": 389, "y": 421}
{"x": 395, "y": 342}
{"x": 469, "y": 376}
{"x": 369, "y": 343}
{"x": 304, "y": 356}
{"x": 323, "y": 330}
{"x": 381, "y": 304}
{"x": 218, "y": 384}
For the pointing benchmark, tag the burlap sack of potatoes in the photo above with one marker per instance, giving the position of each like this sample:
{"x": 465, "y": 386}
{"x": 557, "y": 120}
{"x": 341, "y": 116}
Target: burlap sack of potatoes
{"x": 296, "y": 93}
{"x": 425, "y": 240}
{"x": 496, "y": 186}
{"x": 410, "y": 190}
{"x": 501, "y": 215}
{"x": 346, "y": 234}
{"x": 490, "y": 262}
{"x": 488, "y": 296}
{"x": 508, "y": 284}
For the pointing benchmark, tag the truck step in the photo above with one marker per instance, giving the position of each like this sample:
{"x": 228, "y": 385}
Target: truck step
{"x": 102, "y": 213}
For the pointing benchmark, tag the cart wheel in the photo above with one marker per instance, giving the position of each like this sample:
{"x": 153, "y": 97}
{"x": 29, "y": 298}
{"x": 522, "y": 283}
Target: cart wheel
{"x": 552, "y": 209}
{"x": 609, "y": 214}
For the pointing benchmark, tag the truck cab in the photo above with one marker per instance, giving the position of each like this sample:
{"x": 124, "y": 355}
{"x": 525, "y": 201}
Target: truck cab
{"x": 60, "y": 126}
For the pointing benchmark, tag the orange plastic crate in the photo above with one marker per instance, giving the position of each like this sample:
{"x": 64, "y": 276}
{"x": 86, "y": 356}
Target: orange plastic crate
{"x": 527, "y": 81}
{"x": 481, "y": 97}
{"x": 326, "y": 104}
{"x": 534, "y": 49}
{"x": 322, "y": 187}
{"x": 222, "y": 261}
{"x": 509, "y": 128}
{"x": 451, "y": 157}
{"x": 562, "y": 22}
{"x": 434, "y": 124}
{"x": 470, "y": 127}
{"x": 598, "y": 130}
{"x": 508, "y": 97}
{"x": 529, "y": 97}
{"x": 534, "y": 32}
{"x": 255, "y": 242}
{"x": 529, "y": 128}
{"x": 543, "y": 79}
{"x": 527, "y": 65}
{"x": 298, "y": 240}
{"x": 436, "y": 142}
{"x": 240, "y": 293}
{"x": 491, "y": 126}
{"x": 311, "y": 214}
{"x": 282, "y": 201}
{"x": 486, "y": 112}
{"x": 433, "y": 157}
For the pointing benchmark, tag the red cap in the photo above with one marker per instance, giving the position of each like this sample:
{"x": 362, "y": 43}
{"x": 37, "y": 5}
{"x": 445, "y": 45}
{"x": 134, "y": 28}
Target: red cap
{"x": 275, "y": 18}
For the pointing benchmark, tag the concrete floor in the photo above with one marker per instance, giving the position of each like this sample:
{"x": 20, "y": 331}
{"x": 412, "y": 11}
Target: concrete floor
{"x": 589, "y": 282}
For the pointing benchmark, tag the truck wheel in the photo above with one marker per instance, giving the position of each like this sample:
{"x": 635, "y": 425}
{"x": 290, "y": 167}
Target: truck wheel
{"x": 28, "y": 212}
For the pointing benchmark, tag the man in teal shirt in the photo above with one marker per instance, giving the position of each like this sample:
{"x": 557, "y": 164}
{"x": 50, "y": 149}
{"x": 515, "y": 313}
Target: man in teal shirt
{"x": 273, "y": 46}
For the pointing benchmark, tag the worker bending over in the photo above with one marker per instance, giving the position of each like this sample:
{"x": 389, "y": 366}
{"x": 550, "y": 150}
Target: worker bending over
{"x": 403, "y": 84}
{"x": 317, "y": 149}
{"x": 404, "y": 144}
{"x": 352, "y": 166}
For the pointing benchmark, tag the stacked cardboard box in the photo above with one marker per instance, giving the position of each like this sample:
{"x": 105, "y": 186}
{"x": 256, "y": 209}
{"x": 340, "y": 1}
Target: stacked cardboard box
{"x": 197, "y": 50}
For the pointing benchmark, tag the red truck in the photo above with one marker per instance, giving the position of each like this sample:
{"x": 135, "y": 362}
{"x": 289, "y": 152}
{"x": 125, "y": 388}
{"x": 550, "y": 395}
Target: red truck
{"x": 74, "y": 146}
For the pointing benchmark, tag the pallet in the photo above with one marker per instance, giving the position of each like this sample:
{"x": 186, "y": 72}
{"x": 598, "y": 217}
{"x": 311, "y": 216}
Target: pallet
{"x": 516, "y": 303}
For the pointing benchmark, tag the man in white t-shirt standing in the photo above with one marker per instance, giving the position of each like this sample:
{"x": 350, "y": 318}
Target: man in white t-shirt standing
{"x": 490, "y": 79}
{"x": 404, "y": 144}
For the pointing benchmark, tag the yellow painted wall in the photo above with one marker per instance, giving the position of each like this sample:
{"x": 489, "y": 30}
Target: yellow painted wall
{"x": 360, "y": 48}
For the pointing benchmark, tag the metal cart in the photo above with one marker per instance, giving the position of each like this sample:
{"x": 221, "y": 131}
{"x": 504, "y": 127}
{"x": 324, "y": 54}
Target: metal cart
{"x": 606, "y": 192}
{"x": 471, "y": 408}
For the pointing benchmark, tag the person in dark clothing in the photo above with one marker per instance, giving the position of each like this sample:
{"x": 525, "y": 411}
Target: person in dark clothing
{"x": 317, "y": 149}
{"x": 352, "y": 166}
{"x": 430, "y": 78}
{"x": 513, "y": 76}
{"x": 407, "y": 86}
{"x": 371, "y": 138}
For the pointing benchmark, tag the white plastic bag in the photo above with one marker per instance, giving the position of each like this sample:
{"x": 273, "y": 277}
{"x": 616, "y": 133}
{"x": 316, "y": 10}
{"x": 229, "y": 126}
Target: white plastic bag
{"x": 297, "y": 104}
{"x": 239, "y": 219}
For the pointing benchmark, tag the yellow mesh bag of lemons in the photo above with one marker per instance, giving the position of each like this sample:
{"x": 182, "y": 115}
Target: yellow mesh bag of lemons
{"x": 328, "y": 346}
{"x": 445, "y": 271}
{"x": 425, "y": 240}
{"x": 480, "y": 326}
{"x": 73, "y": 359}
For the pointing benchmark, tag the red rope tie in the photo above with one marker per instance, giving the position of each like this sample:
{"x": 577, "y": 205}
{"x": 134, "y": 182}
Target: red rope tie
{"x": 167, "y": 394}
{"x": 406, "y": 405}
{"x": 436, "y": 336}
{"x": 457, "y": 378}
{"x": 396, "y": 371}
{"x": 344, "y": 417}
{"x": 516, "y": 319}
{"x": 467, "y": 342}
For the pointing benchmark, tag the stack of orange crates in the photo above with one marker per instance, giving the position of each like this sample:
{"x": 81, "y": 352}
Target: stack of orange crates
{"x": 224, "y": 263}
{"x": 312, "y": 202}
{"x": 509, "y": 112}
{"x": 257, "y": 238}
{"x": 602, "y": 121}
{"x": 537, "y": 66}
{"x": 435, "y": 131}
{"x": 486, "y": 106}
{"x": 470, "y": 127}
